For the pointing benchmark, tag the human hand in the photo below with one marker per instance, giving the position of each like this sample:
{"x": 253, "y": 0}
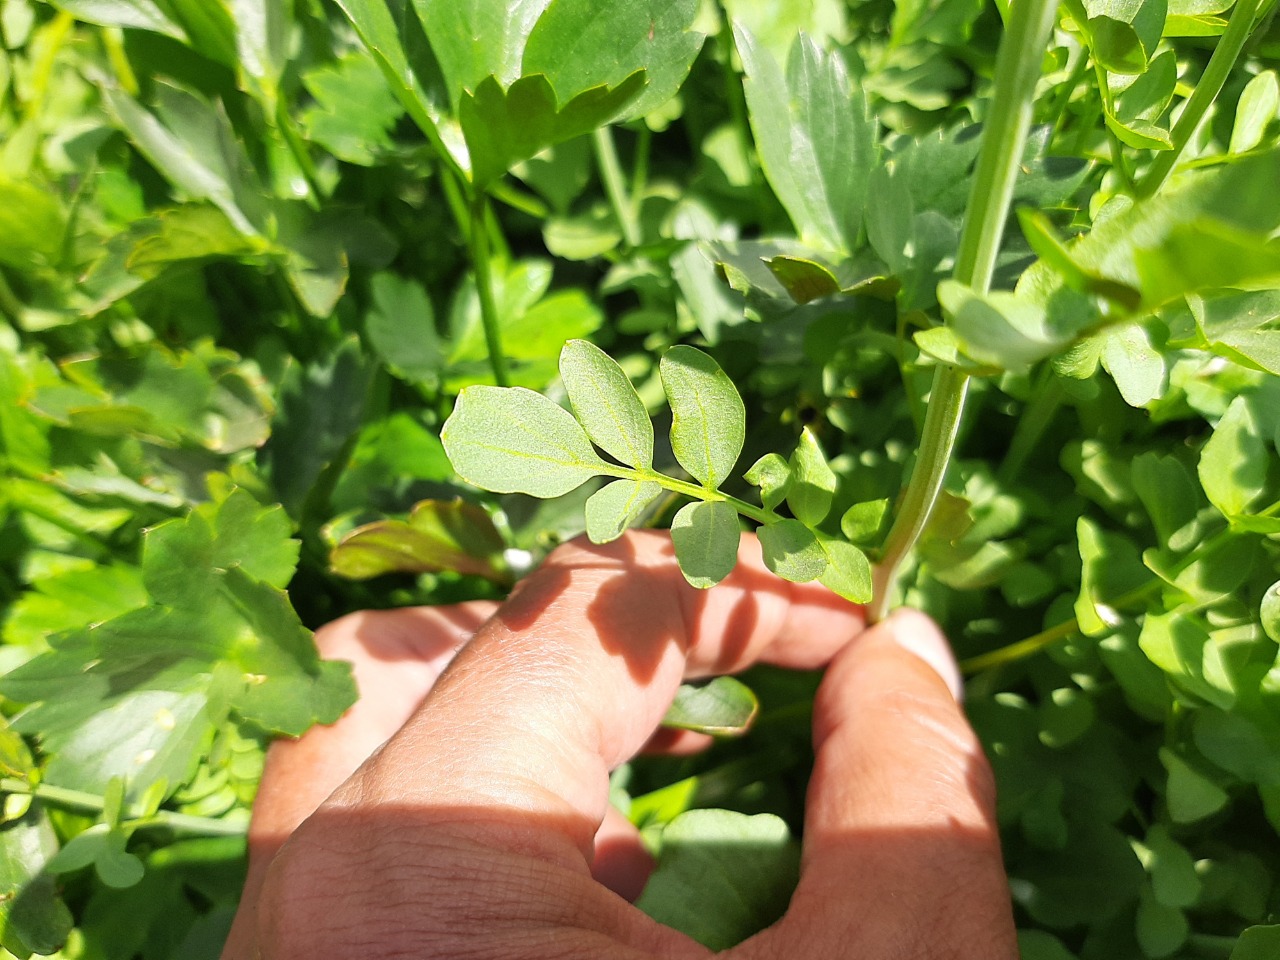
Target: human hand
{"x": 481, "y": 830}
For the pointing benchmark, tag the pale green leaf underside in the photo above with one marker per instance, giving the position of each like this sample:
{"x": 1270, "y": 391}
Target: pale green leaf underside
{"x": 615, "y": 507}
{"x": 848, "y": 571}
{"x": 813, "y": 483}
{"x": 723, "y": 707}
{"x": 706, "y": 536}
{"x": 512, "y": 440}
{"x": 606, "y": 404}
{"x": 791, "y": 550}
{"x": 708, "y": 424}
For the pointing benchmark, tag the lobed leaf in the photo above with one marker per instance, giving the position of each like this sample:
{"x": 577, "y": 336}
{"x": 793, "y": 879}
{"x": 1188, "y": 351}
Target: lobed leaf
{"x": 512, "y": 440}
{"x": 606, "y": 404}
{"x": 708, "y": 425}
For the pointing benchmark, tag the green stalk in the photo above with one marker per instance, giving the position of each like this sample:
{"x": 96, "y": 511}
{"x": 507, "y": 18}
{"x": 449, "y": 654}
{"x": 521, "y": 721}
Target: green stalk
{"x": 1004, "y": 137}
{"x": 615, "y": 186}
{"x": 1224, "y": 58}
{"x": 478, "y": 242}
{"x": 758, "y": 514}
{"x": 81, "y": 802}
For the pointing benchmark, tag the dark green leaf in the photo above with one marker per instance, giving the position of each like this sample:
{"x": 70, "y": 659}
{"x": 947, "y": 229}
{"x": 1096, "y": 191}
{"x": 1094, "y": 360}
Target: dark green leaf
{"x": 1257, "y": 943}
{"x": 33, "y": 917}
{"x": 504, "y": 127}
{"x": 721, "y": 876}
{"x": 722, "y": 707}
{"x": 401, "y": 327}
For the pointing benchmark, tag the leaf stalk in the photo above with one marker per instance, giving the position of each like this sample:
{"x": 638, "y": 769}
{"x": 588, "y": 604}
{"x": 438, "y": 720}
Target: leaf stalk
{"x": 1004, "y": 137}
{"x": 82, "y": 802}
{"x": 481, "y": 262}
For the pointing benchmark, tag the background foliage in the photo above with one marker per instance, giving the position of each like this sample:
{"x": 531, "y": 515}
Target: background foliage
{"x": 251, "y": 250}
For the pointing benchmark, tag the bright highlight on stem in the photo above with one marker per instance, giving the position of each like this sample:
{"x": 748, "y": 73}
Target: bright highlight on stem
{"x": 1004, "y": 138}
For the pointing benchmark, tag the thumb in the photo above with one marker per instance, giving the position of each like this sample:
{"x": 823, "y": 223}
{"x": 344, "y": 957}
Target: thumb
{"x": 901, "y": 852}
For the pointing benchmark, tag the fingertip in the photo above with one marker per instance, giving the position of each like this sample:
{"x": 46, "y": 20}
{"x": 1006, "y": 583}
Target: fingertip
{"x": 918, "y": 634}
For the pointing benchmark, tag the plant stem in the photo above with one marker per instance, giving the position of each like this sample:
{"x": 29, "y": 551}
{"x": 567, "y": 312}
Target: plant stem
{"x": 478, "y": 241}
{"x": 615, "y": 186}
{"x": 82, "y": 802}
{"x": 1004, "y": 136}
{"x": 758, "y": 514}
{"x": 1197, "y": 106}
{"x": 1031, "y": 426}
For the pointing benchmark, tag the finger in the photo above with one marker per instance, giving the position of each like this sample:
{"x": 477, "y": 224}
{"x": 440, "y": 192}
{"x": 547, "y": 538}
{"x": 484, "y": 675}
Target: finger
{"x": 395, "y": 656}
{"x": 621, "y": 861}
{"x": 900, "y": 825}
{"x": 504, "y": 771}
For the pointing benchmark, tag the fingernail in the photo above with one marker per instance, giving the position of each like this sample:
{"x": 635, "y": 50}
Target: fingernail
{"x": 915, "y": 632}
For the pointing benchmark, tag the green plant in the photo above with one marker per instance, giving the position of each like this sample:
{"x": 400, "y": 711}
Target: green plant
{"x": 252, "y": 252}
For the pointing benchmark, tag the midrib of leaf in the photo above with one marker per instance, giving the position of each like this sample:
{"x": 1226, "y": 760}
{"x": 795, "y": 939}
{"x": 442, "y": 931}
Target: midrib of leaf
{"x": 614, "y": 415}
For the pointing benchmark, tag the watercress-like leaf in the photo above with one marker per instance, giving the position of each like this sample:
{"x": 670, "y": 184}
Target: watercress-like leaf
{"x": 606, "y": 404}
{"x": 772, "y": 474}
{"x": 706, "y": 537}
{"x": 864, "y": 522}
{"x": 791, "y": 550}
{"x": 615, "y": 506}
{"x": 1123, "y": 33}
{"x": 1233, "y": 463}
{"x": 848, "y": 571}
{"x": 813, "y": 482}
{"x": 1256, "y": 110}
{"x": 709, "y": 420}
{"x": 512, "y": 440}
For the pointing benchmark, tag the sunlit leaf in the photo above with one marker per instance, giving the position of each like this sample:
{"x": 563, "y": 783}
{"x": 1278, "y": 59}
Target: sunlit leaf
{"x": 708, "y": 418}
{"x": 706, "y": 536}
{"x": 606, "y": 404}
{"x": 616, "y": 506}
{"x": 791, "y": 550}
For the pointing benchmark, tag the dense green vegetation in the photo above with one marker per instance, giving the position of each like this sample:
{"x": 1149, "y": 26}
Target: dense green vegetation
{"x": 997, "y": 337}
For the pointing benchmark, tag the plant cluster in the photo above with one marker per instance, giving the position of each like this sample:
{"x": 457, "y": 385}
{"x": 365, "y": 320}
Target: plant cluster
{"x": 314, "y": 305}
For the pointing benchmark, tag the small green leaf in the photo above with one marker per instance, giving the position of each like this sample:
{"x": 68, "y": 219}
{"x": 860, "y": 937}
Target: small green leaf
{"x": 1190, "y": 794}
{"x": 1124, "y": 33}
{"x": 791, "y": 550}
{"x": 505, "y": 127}
{"x": 401, "y": 327}
{"x": 116, "y": 867}
{"x": 813, "y": 482}
{"x": 864, "y": 522}
{"x": 1233, "y": 464}
{"x": 805, "y": 280}
{"x": 721, "y": 875}
{"x": 606, "y": 404}
{"x": 848, "y": 571}
{"x": 706, "y": 537}
{"x": 725, "y": 707}
{"x": 772, "y": 474}
{"x": 1259, "y": 103}
{"x": 998, "y": 328}
{"x": 709, "y": 421}
{"x": 1270, "y": 612}
{"x": 512, "y": 440}
{"x": 616, "y": 506}
{"x": 1258, "y": 943}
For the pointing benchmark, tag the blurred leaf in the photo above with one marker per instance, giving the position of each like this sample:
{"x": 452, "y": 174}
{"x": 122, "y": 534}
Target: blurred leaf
{"x": 1256, "y": 110}
{"x": 721, "y": 876}
{"x": 401, "y": 327}
{"x": 506, "y": 126}
{"x": 1257, "y": 943}
{"x": 816, "y": 138}
{"x": 33, "y": 917}
{"x": 1233, "y": 464}
{"x": 139, "y": 14}
{"x": 706, "y": 537}
{"x": 512, "y": 440}
{"x": 708, "y": 418}
{"x": 723, "y": 707}
{"x": 32, "y": 225}
{"x": 437, "y": 536}
{"x": 354, "y": 112}
{"x": 1124, "y": 33}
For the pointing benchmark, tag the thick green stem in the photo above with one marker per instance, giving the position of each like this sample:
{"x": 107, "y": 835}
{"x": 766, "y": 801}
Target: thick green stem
{"x": 91, "y": 803}
{"x": 615, "y": 185}
{"x": 1004, "y": 137}
{"x": 478, "y": 240}
{"x": 1220, "y": 65}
